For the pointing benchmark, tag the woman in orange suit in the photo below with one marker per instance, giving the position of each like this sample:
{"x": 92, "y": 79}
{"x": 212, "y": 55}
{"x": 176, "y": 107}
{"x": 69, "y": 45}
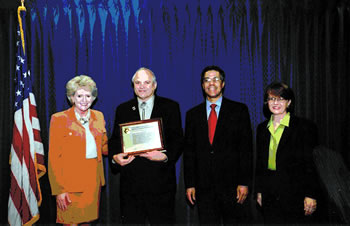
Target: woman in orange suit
{"x": 77, "y": 141}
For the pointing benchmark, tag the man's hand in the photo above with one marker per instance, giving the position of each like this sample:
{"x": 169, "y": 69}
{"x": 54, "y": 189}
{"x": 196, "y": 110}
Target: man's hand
{"x": 309, "y": 205}
{"x": 242, "y": 192}
{"x": 154, "y": 156}
{"x": 123, "y": 158}
{"x": 191, "y": 195}
{"x": 259, "y": 199}
{"x": 63, "y": 201}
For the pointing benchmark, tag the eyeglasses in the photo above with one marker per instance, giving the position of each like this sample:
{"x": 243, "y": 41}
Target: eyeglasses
{"x": 214, "y": 79}
{"x": 277, "y": 99}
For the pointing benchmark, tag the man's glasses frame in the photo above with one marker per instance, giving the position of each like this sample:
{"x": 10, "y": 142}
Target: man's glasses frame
{"x": 214, "y": 79}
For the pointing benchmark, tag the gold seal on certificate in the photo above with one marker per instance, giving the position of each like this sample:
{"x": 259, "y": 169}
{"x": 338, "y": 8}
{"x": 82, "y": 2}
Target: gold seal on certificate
{"x": 141, "y": 136}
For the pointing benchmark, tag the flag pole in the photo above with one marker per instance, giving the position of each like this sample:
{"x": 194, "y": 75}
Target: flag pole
{"x": 21, "y": 8}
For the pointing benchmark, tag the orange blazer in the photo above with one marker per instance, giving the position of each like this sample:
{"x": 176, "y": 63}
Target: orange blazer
{"x": 67, "y": 162}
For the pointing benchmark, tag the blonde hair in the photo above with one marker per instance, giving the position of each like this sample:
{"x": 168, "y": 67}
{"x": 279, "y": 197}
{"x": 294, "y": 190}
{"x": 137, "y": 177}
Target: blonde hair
{"x": 80, "y": 81}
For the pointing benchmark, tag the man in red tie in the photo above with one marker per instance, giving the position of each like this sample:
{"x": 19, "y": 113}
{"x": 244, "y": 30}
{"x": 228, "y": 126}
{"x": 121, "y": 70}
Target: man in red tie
{"x": 218, "y": 153}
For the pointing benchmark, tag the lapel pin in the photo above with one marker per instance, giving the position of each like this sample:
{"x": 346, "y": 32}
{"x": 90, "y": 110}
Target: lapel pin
{"x": 133, "y": 108}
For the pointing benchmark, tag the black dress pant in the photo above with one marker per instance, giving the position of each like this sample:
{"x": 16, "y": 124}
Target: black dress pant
{"x": 280, "y": 203}
{"x": 279, "y": 211}
{"x": 145, "y": 207}
{"x": 215, "y": 208}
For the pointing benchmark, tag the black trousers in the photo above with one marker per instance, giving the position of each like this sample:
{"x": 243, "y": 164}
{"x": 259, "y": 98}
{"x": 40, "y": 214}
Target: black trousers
{"x": 153, "y": 208}
{"x": 279, "y": 211}
{"x": 215, "y": 208}
{"x": 281, "y": 204}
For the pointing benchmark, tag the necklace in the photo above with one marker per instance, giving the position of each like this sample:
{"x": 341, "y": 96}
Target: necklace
{"x": 83, "y": 120}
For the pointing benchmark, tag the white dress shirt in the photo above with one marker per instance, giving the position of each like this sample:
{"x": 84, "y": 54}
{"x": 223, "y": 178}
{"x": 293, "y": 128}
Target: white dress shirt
{"x": 91, "y": 151}
{"x": 148, "y": 107}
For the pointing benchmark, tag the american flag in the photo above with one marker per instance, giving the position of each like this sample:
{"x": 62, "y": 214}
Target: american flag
{"x": 27, "y": 152}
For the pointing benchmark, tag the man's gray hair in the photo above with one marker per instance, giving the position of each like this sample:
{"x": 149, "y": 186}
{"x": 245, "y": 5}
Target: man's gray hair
{"x": 154, "y": 79}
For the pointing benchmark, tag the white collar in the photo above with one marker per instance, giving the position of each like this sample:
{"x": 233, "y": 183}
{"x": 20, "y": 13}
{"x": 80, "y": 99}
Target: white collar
{"x": 148, "y": 102}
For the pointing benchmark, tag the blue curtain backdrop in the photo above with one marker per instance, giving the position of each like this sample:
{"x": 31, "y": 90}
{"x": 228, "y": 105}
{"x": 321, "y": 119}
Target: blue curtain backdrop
{"x": 109, "y": 40}
{"x": 254, "y": 41}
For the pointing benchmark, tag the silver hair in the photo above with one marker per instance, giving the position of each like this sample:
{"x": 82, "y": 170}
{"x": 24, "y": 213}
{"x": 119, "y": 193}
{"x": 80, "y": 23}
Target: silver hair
{"x": 154, "y": 79}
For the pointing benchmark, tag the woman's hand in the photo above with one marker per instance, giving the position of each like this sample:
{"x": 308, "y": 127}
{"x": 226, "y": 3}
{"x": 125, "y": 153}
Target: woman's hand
{"x": 63, "y": 201}
{"x": 309, "y": 205}
{"x": 259, "y": 199}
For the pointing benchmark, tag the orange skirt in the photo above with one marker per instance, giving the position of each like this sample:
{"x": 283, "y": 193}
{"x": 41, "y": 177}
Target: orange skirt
{"x": 85, "y": 205}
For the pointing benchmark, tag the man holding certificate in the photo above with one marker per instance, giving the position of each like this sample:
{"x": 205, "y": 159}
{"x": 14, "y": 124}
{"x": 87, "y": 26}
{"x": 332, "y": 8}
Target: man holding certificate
{"x": 217, "y": 154}
{"x": 144, "y": 147}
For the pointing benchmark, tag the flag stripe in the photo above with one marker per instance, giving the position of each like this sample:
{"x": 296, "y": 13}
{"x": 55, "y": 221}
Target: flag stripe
{"x": 36, "y": 126}
{"x": 39, "y": 147}
{"x": 19, "y": 121}
{"x": 14, "y": 215}
{"x": 16, "y": 192}
{"x": 17, "y": 142}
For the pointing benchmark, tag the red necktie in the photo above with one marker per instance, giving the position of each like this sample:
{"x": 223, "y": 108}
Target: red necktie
{"x": 212, "y": 123}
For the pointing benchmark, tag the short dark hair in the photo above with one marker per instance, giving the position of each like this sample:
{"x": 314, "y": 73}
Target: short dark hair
{"x": 213, "y": 68}
{"x": 278, "y": 89}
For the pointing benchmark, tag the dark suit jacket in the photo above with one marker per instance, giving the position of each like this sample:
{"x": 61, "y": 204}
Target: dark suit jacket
{"x": 295, "y": 177}
{"x": 227, "y": 162}
{"x": 143, "y": 175}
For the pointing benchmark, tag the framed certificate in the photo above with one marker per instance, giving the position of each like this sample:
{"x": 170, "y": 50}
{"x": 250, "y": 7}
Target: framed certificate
{"x": 141, "y": 136}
